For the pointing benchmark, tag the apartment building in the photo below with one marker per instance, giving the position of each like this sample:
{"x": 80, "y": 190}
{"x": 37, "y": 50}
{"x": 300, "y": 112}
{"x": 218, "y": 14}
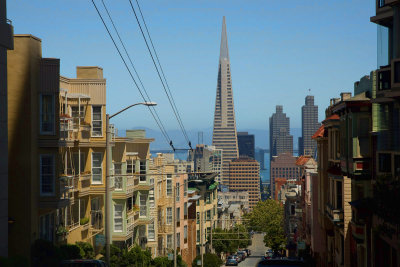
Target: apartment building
{"x": 207, "y": 159}
{"x": 244, "y": 174}
{"x": 56, "y": 135}
{"x": 133, "y": 195}
{"x": 232, "y": 205}
{"x": 283, "y": 166}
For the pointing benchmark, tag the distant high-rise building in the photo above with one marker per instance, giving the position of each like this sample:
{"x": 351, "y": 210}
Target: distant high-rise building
{"x": 206, "y": 159}
{"x": 224, "y": 133}
{"x": 309, "y": 125}
{"x": 283, "y": 166}
{"x": 246, "y": 144}
{"x": 280, "y": 140}
{"x": 244, "y": 174}
{"x": 260, "y": 157}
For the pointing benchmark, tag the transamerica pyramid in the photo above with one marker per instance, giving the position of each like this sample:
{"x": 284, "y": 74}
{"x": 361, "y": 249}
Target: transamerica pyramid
{"x": 224, "y": 133}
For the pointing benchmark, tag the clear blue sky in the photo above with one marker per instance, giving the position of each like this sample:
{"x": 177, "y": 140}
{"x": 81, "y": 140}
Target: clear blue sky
{"x": 278, "y": 49}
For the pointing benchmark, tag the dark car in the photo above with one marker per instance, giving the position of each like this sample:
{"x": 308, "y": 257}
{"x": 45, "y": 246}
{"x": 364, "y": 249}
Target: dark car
{"x": 83, "y": 263}
{"x": 243, "y": 254}
{"x": 237, "y": 257}
{"x": 280, "y": 262}
{"x": 231, "y": 261}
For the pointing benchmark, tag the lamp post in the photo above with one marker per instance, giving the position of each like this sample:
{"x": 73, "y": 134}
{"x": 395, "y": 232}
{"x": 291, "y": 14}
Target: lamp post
{"x": 108, "y": 196}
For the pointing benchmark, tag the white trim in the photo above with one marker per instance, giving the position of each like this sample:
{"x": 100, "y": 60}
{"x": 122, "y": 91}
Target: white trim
{"x": 101, "y": 164}
{"x": 40, "y": 174}
{"x": 91, "y": 128}
{"x": 40, "y": 114}
{"x": 122, "y": 218}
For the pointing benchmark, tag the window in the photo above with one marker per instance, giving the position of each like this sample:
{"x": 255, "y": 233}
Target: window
{"x": 151, "y": 198}
{"x": 208, "y": 198}
{"x": 97, "y": 170}
{"x": 208, "y": 215}
{"x": 46, "y": 227}
{"x": 178, "y": 240}
{"x": 143, "y": 171}
{"x": 178, "y": 216}
{"x": 169, "y": 215}
{"x": 169, "y": 185}
{"x": 130, "y": 166}
{"x": 75, "y": 113}
{"x": 385, "y": 162}
{"x": 198, "y": 217}
{"x": 198, "y": 236}
{"x": 169, "y": 241}
{"x": 150, "y": 232}
{"x": 185, "y": 188}
{"x": 339, "y": 195}
{"x": 97, "y": 121}
{"x": 118, "y": 225}
{"x": 47, "y": 114}
{"x": 143, "y": 206}
{"x": 185, "y": 233}
{"x": 118, "y": 179}
{"x": 177, "y": 191}
{"x": 47, "y": 174}
{"x": 185, "y": 210}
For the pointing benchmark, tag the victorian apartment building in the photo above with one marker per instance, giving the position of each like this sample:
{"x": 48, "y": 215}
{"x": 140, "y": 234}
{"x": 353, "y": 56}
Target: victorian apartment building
{"x": 56, "y": 149}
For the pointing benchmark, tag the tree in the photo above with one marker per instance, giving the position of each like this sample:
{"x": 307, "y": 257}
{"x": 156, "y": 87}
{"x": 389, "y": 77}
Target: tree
{"x": 70, "y": 252}
{"x": 87, "y": 251}
{"x": 210, "y": 260}
{"x": 165, "y": 262}
{"x": 267, "y": 216}
{"x": 229, "y": 240}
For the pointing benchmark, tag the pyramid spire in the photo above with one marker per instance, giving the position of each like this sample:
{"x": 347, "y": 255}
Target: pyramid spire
{"x": 224, "y": 53}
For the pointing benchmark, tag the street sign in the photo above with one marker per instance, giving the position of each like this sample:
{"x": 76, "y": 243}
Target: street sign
{"x": 198, "y": 262}
{"x": 100, "y": 240}
{"x": 170, "y": 256}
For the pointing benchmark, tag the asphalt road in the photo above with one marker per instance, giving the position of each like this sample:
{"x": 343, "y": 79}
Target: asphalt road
{"x": 258, "y": 250}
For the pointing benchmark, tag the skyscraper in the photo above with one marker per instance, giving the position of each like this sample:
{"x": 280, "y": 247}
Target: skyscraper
{"x": 280, "y": 140}
{"x": 224, "y": 133}
{"x": 309, "y": 125}
{"x": 246, "y": 144}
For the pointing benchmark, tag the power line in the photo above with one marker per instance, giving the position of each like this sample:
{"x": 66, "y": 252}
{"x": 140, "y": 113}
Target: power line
{"x": 162, "y": 128}
{"x": 169, "y": 96}
{"x": 130, "y": 73}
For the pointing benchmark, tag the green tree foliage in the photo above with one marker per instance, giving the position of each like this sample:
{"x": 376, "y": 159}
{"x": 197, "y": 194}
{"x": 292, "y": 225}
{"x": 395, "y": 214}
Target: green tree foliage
{"x": 70, "y": 252}
{"x": 44, "y": 253}
{"x": 87, "y": 251}
{"x": 165, "y": 262}
{"x": 14, "y": 261}
{"x": 230, "y": 240}
{"x": 267, "y": 216}
{"x": 210, "y": 260}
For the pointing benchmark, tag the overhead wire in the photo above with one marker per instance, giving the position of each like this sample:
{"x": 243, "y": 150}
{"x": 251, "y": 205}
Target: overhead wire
{"x": 169, "y": 95}
{"x": 169, "y": 141}
{"x": 161, "y": 126}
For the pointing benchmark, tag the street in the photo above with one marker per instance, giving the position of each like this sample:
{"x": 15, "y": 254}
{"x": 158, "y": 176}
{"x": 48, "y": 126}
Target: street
{"x": 257, "y": 251}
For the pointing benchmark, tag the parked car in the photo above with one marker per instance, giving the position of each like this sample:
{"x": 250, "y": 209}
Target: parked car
{"x": 281, "y": 262}
{"x": 237, "y": 257}
{"x": 242, "y": 254}
{"x": 83, "y": 263}
{"x": 231, "y": 261}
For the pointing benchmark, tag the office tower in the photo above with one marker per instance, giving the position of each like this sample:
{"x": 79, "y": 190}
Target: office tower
{"x": 244, "y": 174}
{"x": 6, "y": 43}
{"x": 260, "y": 157}
{"x": 309, "y": 125}
{"x": 280, "y": 140}
{"x": 283, "y": 166}
{"x": 224, "y": 133}
{"x": 246, "y": 144}
{"x": 206, "y": 159}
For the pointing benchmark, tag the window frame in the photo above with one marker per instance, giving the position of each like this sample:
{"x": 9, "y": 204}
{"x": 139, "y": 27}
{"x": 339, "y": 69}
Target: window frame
{"x": 52, "y": 115}
{"x": 121, "y": 218}
{"x": 101, "y": 121}
{"x": 52, "y": 193}
{"x": 169, "y": 216}
{"x": 153, "y": 232}
{"x": 145, "y": 196}
{"x": 101, "y": 167}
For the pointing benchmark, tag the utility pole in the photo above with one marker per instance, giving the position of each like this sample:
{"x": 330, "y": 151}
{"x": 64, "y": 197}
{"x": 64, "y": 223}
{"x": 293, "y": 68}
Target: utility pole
{"x": 108, "y": 191}
{"x": 211, "y": 247}
{"x": 202, "y": 239}
{"x": 174, "y": 226}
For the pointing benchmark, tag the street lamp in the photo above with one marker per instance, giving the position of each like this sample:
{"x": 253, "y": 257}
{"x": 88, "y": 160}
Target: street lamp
{"x": 109, "y": 174}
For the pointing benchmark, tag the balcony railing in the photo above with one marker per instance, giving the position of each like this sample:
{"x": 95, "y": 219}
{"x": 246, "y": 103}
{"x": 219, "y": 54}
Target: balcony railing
{"x": 71, "y": 130}
{"x": 336, "y": 215}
